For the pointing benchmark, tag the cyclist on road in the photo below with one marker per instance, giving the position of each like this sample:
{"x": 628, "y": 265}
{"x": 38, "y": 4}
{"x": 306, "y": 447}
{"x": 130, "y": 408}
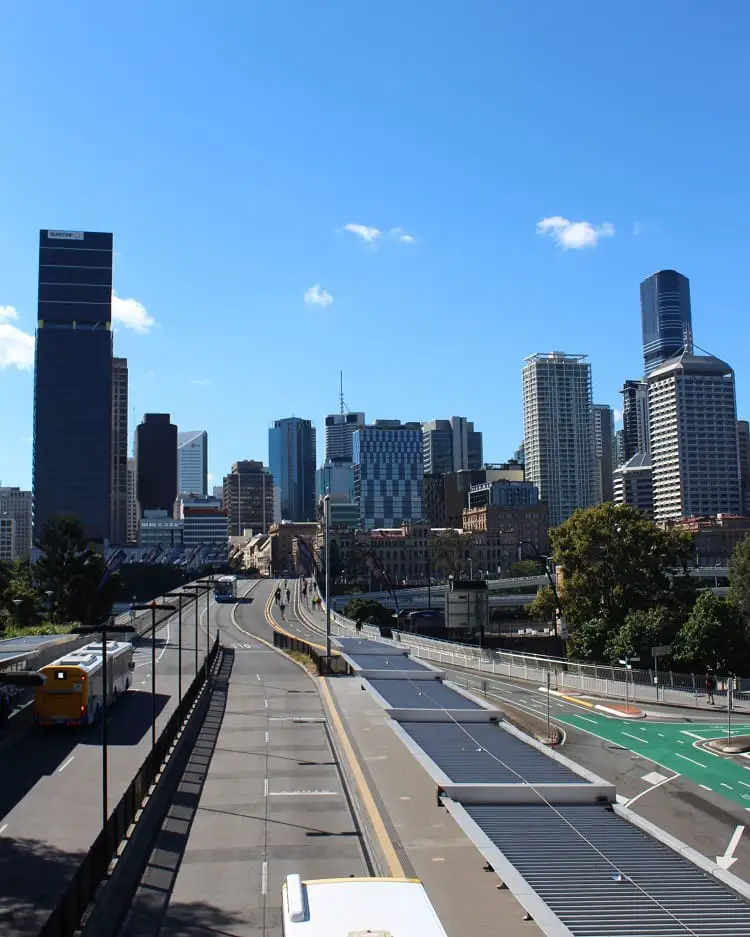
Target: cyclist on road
{"x": 281, "y": 609}
{"x": 277, "y": 595}
{"x": 288, "y": 593}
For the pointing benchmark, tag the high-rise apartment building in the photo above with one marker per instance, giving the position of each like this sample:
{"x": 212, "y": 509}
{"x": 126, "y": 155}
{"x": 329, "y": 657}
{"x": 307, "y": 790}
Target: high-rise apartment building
{"x": 73, "y": 381}
{"x": 604, "y": 439}
{"x": 633, "y": 484}
{"x": 666, "y": 319}
{"x": 450, "y": 446}
{"x": 16, "y": 504}
{"x": 558, "y": 419}
{"x": 291, "y": 458}
{"x": 339, "y": 431}
{"x": 634, "y": 418}
{"x": 7, "y": 538}
{"x": 132, "y": 502}
{"x": 743, "y": 448}
{"x": 693, "y": 431}
{"x": 619, "y": 447}
{"x": 156, "y": 463}
{"x": 192, "y": 463}
{"x": 118, "y": 525}
{"x": 388, "y": 473}
{"x": 248, "y": 498}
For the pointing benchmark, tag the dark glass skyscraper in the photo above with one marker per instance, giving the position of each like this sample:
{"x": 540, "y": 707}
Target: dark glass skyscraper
{"x": 665, "y": 316}
{"x": 291, "y": 457}
{"x": 73, "y": 380}
{"x": 156, "y": 463}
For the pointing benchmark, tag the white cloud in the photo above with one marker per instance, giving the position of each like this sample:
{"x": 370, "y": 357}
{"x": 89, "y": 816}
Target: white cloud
{"x": 573, "y": 235}
{"x": 201, "y": 381}
{"x": 618, "y": 416}
{"x": 131, "y": 314}
{"x": 400, "y": 235}
{"x": 16, "y": 346}
{"x": 317, "y": 296}
{"x": 371, "y": 235}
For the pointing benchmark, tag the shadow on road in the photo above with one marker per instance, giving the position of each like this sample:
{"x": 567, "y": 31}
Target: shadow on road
{"x": 35, "y": 755}
{"x": 34, "y": 874}
{"x": 150, "y": 913}
{"x": 129, "y": 722}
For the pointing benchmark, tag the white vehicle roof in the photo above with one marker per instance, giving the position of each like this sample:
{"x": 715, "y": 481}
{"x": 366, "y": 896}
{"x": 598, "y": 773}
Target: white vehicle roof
{"x": 89, "y": 657}
{"x": 356, "y": 907}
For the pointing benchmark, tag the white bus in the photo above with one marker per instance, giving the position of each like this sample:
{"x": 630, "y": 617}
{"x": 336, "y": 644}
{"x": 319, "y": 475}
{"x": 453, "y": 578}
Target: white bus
{"x": 342, "y": 907}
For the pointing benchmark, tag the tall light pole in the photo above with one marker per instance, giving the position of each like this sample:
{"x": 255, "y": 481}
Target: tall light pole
{"x": 154, "y": 606}
{"x": 180, "y": 596}
{"x": 197, "y": 588}
{"x": 105, "y": 628}
{"x": 552, "y": 584}
{"x": 326, "y": 508}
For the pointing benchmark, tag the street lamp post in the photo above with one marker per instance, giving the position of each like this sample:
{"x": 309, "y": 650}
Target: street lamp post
{"x": 552, "y": 584}
{"x": 197, "y": 588}
{"x": 180, "y": 596}
{"x": 327, "y": 510}
{"x": 49, "y": 593}
{"x": 105, "y": 629}
{"x": 154, "y": 606}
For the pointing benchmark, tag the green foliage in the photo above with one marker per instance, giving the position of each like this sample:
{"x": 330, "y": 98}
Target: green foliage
{"x": 524, "y": 568}
{"x": 447, "y": 553}
{"x": 642, "y": 630}
{"x": 543, "y": 607}
{"x": 739, "y": 578}
{"x": 715, "y": 635}
{"x": 589, "y": 640}
{"x": 13, "y": 631}
{"x": 615, "y": 561}
{"x": 368, "y": 611}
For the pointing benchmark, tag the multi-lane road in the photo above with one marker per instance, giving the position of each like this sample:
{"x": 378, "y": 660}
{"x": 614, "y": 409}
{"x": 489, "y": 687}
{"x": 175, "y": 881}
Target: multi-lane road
{"x": 50, "y": 782}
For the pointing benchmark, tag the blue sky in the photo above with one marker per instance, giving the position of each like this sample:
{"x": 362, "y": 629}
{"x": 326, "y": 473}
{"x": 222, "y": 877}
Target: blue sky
{"x": 228, "y": 147}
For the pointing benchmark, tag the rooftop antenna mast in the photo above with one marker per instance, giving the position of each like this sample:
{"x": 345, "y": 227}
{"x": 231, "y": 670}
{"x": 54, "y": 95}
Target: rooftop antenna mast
{"x": 342, "y": 405}
{"x": 688, "y": 337}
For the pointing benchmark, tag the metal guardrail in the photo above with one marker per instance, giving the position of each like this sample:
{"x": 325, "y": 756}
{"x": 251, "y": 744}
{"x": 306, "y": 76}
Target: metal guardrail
{"x": 67, "y": 916}
{"x": 567, "y": 675}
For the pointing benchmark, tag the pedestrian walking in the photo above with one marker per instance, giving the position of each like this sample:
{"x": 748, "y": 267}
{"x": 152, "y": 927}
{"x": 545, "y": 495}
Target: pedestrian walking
{"x": 282, "y": 607}
{"x": 710, "y": 685}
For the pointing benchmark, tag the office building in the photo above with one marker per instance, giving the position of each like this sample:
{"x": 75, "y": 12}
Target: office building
{"x": 388, "y": 474}
{"x": 450, "y": 445}
{"x": 339, "y": 431}
{"x": 604, "y": 441}
{"x": 743, "y": 450}
{"x": 7, "y": 538}
{"x": 634, "y": 418}
{"x": 132, "y": 503}
{"x": 666, "y": 319}
{"x": 558, "y": 418}
{"x": 632, "y": 484}
{"x": 17, "y": 504}
{"x": 507, "y": 494}
{"x": 118, "y": 525}
{"x": 218, "y": 492}
{"x": 73, "y": 381}
{"x": 337, "y": 480}
{"x": 192, "y": 463}
{"x": 693, "y": 433}
{"x": 204, "y": 522}
{"x": 157, "y": 528}
{"x": 156, "y": 463}
{"x": 291, "y": 459}
{"x": 248, "y": 498}
{"x": 619, "y": 447}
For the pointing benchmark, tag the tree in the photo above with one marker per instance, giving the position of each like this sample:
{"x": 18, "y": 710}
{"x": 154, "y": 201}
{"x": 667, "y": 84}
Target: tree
{"x": 21, "y": 598}
{"x": 642, "y": 630}
{"x": 525, "y": 568}
{"x": 614, "y": 561}
{"x": 715, "y": 635}
{"x": 448, "y": 551}
{"x": 74, "y": 573}
{"x": 544, "y": 606}
{"x": 368, "y": 610}
{"x": 589, "y": 640}
{"x": 739, "y": 578}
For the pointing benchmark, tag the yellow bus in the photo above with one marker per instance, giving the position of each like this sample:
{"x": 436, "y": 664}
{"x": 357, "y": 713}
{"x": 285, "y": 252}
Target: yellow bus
{"x": 344, "y": 907}
{"x": 72, "y": 693}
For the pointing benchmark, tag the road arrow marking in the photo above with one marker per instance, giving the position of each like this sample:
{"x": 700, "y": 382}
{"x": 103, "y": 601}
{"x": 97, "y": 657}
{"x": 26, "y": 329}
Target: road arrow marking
{"x": 728, "y": 859}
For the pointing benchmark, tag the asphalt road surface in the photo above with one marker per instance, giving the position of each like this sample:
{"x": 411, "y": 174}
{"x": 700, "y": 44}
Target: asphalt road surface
{"x": 264, "y": 799}
{"x": 50, "y": 787}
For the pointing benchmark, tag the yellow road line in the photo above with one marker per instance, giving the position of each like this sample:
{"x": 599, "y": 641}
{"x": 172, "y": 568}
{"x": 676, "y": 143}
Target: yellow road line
{"x": 577, "y": 701}
{"x": 368, "y": 801}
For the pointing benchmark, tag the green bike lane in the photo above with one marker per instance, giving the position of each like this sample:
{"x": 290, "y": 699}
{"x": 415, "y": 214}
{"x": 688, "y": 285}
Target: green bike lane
{"x": 676, "y": 747}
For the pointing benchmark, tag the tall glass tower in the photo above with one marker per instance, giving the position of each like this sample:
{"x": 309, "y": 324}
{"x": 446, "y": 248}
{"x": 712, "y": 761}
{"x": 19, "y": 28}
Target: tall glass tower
{"x": 73, "y": 381}
{"x": 665, "y": 317}
{"x": 291, "y": 457}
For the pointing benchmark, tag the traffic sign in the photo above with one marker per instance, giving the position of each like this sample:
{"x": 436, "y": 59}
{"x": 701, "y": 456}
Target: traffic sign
{"x": 661, "y": 650}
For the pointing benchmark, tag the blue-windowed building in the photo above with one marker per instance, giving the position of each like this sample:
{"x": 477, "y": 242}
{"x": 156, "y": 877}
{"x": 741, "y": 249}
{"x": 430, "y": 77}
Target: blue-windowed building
{"x": 388, "y": 474}
{"x": 291, "y": 459}
{"x": 73, "y": 380}
{"x": 666, "y": 319}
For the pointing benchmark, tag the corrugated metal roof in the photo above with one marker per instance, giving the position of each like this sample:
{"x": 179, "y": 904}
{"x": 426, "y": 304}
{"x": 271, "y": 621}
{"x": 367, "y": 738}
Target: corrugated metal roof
{"x": 421, "y": 694}
{"x": 465, "y": 754}
{"x": 662, "y": 894}
{"x": 386, "y": 662}
{"x": 352, "y": 645}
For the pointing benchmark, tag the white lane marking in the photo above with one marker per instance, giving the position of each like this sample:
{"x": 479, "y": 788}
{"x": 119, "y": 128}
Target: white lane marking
{"x": 685, "y": 758}
{"x": 653, "y": 787}
{"x": 660, "y": 734}
{"x": 258, "y": 675}
{"x": 268, "y": 735}
{"x": 264, "y": 878}
{"x": 304, "y": 794}
{"x": 166, "y": 644}
{"x": 636, "y": 737}
{"x": 727, "y": 786}
{"x": 728, "y": 859}
{"x": 265, "y": 703}
{"x": 693, "y": 735}
{"x": 705, "y": 787}
{"x": 653, "y": 777}
{"x": 744, "y": 783}
{"x": 3, "y": 828}
{"x": 586, "y": 719}
{"x": 65, "y": 765}
{"x": 265, "y": 787}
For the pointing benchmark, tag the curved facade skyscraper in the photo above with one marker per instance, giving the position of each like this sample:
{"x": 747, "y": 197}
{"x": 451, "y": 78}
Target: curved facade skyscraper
{"x": 665, "y": 317}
